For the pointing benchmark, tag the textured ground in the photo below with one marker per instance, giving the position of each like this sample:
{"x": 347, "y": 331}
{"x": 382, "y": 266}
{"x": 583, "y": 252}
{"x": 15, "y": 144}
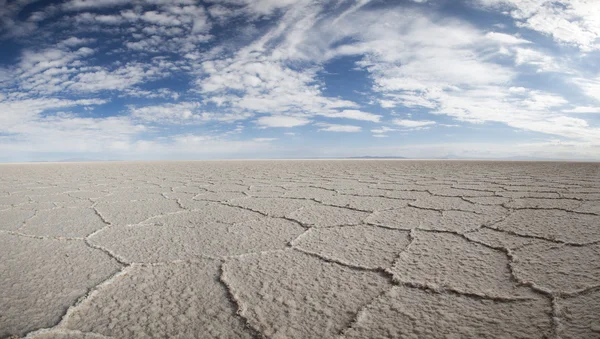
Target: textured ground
{"x": 300, "y": 249}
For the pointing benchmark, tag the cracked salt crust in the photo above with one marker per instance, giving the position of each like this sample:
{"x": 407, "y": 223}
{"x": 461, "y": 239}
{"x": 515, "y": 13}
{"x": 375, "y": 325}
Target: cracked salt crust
{"x": 486, "y": 200}
{"x": 13, "y": 200}
{"x": 553, "y": 225}
{"x": 206, "y": 212}
{"x": 412, "y": 217}
{"x": 133, "y": 212}
{"x": 130, "y": 196}
{"x": 541, "y": 203}
{"x": 47, "y": 190}
{"x": 589, "y": 207}
{"x": 517, "y": 195}
{"x": 477, "y": 186}
{"x": 219, "y": 196}
{"x": 41, "y": 278}
{"x": 182, "y": 300}
{"x": 408, "y": 195}
{"x": 190, "y": 189}
{"x": 150, "y": 243}
{"x": 456, "y": 192}
{"x": 267, "y": 191}
{"x": 530, "y": 188}
{"x": 324, "y": 216}
{"x": 227, "y": 188}
{"x": 94, "y": 195}
{"x": 300, "y": 249}
{"x": 579, "y": 315}
{"x": 363, "y": 191}
{"x": 458, "y": 204}
{"x": 363, "y": 245}
{"x": 559, "y": 268}
{"x": 13, "y": 219}
{"x": 276, "y": 207}
{"x": 414, "y": 313}
{"x": 63, "y": 200}
{"x": 582, "y": 196}
{"x": 63, "y": 222}
{"x": 368, "y": 204}
{"x": 498, "y": 239}
{"x": 307, "y": 193}
{"x": 66, "y": 334}
{"x": 179, "y": 195}
{"x": 289, "y": 294}
{"x": 448, "y": 261}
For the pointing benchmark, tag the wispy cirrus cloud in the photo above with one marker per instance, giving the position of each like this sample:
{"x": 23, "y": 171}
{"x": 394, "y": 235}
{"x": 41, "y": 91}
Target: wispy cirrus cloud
{"x": 412, "y": 123}
{"x": 177, "y": 73}
{"x": 570, "y": 22}
{"x": 338, "y": 128}
{"x": 281, "y": 121}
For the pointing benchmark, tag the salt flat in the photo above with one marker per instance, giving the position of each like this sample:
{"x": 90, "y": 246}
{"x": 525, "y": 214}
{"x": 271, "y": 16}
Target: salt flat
{"x": 300, "y": 249}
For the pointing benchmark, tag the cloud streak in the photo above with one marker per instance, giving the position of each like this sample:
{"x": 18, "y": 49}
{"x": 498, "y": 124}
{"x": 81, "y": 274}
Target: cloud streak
{"x": 120, "y": 77}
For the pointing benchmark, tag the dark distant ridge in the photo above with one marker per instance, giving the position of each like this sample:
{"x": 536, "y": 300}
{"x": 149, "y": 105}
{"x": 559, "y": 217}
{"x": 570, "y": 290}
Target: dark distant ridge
{"x": 513, "y": 158}
{"x": 85, "y": 160}
{"x": 375, "y": 157}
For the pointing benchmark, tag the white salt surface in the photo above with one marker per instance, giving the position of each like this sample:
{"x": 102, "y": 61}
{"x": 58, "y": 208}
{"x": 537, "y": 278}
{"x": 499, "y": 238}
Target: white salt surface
{"x": 300, "y": 249}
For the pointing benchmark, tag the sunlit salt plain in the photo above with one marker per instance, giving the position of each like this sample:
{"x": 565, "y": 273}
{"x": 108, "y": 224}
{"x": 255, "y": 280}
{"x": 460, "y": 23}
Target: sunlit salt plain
{"x": 300, "y": 249}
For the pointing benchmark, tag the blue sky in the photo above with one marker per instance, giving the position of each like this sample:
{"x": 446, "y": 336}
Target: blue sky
{"x": 184, "y": 79}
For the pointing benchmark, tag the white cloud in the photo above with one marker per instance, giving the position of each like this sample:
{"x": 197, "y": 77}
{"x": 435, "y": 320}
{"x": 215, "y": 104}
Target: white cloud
{"x": 506, "y": 38}
{"x": 412, "y": 59}
{"x": 271, "y": 68}
{"x": 412, "y": 123}
{"x": 164, "y": 93}
{"x": 35, "y": 62}
{"x": 583, "y": 109}
{"x": 76, "y": 5}
{"x": 119, "y": 79}
{"x": 75, "y": 41}
{"x": 11, "y": 25}
{"x": 259, "y": 78}
{"x": 544, "y": 149}
{"x": 590, "y": 87}
{"x": 266, "y": 86}
{"x": 160, "y": 18}
{"x": 15, "y": 112}
{"x": 446, "y": 66}
{"x": 338, "y": 128}
{"x": 182, "y": 113}
{"x": 355, "y": 115}
{"x": 67, "y": 133}
{"x": 383, "y": 129}
{"x": 264, "y": 139}
{"x": 55, "y": 70}
{"x": 261, "y": 7}
{"x": 168, "y": 113}
{"x": 190, "y": 144}
{"x": 170, "y": 27}
{"x": 281, "y": 121}
{"x": 115, "y": 140}
{"x": 567, "y": 21}
{"x": 31, "y": 126}
{"x": 543, "y": 62}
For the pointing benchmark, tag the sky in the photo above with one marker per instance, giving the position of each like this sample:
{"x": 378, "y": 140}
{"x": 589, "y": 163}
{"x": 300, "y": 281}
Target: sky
{"x": 221, "y": 79}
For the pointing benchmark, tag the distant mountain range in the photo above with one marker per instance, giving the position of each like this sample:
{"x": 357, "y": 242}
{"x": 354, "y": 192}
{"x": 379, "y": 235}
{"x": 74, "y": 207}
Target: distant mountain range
{"x": 456, "y": 157}
{"x": 375, "y": 157}
{"x": 367, "y": 157}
